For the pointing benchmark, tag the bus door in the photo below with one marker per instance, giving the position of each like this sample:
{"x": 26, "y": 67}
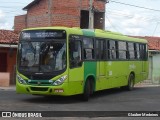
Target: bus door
{"x": 76, "y": 67}
{"x": 144, "y": 57}
{"x": 100, "y": 54}
{"x": 101, "y": 64}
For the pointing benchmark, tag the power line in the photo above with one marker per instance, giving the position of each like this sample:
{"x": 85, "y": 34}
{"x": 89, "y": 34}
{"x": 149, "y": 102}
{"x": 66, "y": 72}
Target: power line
{"x": 155, "y": 28}
{"x": 135, "y": 6}
{"x": 112, "y": 24}
{"x": 124, "y": 15}
{"x": 152, "y": 19}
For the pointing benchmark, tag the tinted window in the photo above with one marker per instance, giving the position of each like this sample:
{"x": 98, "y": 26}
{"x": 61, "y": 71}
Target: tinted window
{"x": 137, "y": 51}
{"x": 88, "y": 42}
{"x": 122, "y": 50}
{"x": 143, "y": 52}
{"x": 122, "y": 45}
{"x": 131, "y": 50}
{"x": 100, "y": 49}
{"x": 75, "y": 53}
{"x": 112, "y": 51}
{"x": 112, "y": 44}
{"x": 88, "y": 48}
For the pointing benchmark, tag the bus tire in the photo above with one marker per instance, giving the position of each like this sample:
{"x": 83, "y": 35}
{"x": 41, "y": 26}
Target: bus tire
{"x": 130, "y": 85}
{"x": 87, "y": 91}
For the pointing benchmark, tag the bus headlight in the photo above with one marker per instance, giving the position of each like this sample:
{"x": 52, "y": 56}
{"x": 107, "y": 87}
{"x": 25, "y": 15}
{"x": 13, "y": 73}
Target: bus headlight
{"x": 20, "y": 80}
{"x": 60, "y": 80}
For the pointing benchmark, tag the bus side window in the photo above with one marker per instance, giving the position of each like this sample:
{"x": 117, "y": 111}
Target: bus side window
{"x": 122, "y": 50}
{"x": 100, "y": 49}
{"x": 88, "y": 50}
{"x": 112, "y": 54}
{"x": 75, "y": 53}
{"x": 146, "y": 50}
{"x": 131, "y": 50}
{"x": 137, "y": 51}
{"x": 143, "y": 52}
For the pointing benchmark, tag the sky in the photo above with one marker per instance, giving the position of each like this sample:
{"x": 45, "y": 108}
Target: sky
{"x": 9, "y": 9}
{"x": 131, "y": 20}
{"x": 120, "y": 18}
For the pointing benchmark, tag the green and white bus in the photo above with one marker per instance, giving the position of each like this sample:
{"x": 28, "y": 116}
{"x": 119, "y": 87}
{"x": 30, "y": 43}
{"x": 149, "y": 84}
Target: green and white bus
{"x": 69, "y": 61}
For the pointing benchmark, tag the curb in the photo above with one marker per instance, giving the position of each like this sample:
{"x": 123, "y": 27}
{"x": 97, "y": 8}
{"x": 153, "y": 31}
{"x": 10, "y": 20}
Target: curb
{"x": 10, "y": 88}
{"x": 146, "y": 85}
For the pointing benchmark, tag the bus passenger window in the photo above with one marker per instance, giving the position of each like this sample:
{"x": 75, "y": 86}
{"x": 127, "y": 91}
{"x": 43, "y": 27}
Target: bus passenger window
{"x": 137, "y": 51}
{"x": 88, "y": 48}
{"x": 143, "y": 52}
{"x": 131, "y": 50}
{"x": 100, "y": 49}
{"x": 122, "y": 49}
{"x": 112, "y": 54}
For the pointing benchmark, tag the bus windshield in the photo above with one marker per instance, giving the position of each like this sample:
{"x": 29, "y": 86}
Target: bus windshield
{"x": 42, "y": 55}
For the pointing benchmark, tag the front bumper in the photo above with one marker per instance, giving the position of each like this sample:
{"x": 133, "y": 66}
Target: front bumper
{"x": 42, "y": 90}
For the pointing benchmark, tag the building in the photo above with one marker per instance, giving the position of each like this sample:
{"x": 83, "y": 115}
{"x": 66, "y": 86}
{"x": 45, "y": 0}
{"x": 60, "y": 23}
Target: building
{"x": 8, "y": 51}
{"x": 69, "y": 13}
{"x": 154, "y": 58}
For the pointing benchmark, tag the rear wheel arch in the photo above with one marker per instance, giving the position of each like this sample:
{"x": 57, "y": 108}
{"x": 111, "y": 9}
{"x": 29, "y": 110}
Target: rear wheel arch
{"x": 133, "y": 73}
{"x": 92, "y": 80}
{"x": 131, "y": 81}
{"x": 89, "y": 88}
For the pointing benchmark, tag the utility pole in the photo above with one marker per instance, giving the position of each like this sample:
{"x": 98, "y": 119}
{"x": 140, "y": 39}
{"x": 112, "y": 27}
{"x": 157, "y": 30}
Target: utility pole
{"x": 49, "y": 11}
{"x": 91, "y": 15}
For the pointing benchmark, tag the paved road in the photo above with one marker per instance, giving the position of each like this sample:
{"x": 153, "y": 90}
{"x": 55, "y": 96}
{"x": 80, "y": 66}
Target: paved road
{"x": 140, "y": 99}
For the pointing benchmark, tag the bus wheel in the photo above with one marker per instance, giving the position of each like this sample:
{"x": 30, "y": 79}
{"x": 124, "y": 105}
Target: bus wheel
{"x": 130, "y": 85}
{"x": 87, "y": 91}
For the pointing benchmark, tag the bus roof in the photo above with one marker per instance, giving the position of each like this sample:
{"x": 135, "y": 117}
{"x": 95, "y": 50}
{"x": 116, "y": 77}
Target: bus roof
{"x": 93, "y": 33}
{"x": 112, "y": 35}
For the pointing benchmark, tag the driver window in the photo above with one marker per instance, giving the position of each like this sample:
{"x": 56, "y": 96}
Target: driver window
{"x": 75, "y": 53}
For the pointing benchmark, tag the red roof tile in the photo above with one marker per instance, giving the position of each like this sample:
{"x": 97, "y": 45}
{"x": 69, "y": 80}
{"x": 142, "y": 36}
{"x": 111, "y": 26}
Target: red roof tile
{"x": 153, "y": 42}
{"x": 8, "y": 36}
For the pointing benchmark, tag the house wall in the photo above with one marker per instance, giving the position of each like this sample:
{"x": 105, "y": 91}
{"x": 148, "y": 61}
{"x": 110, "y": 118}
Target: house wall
{"x": 156, "y": 69}
{"x": 19, "y": 23}
{"x": 66, "y": 13}
{"x": 56, "y": 13}
{"x": 11, "y": 58}
{"x": 10, "y": 70}
{"x": 150, "y": 67}
{"x": 38, "y": 15}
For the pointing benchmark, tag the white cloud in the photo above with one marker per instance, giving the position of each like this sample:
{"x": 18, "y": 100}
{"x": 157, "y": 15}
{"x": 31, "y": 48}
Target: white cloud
{"x": 126, "y": 22}
{"x": 130, "y": 20}
{"x": 136, "y": 22}
{"x": 2, "y": 15}
{"x": 3, "y": 22}
{"x": 5, "y": 26}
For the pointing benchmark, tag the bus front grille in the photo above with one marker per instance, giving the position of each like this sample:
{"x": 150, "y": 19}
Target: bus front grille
{"x": 38, "y": 89}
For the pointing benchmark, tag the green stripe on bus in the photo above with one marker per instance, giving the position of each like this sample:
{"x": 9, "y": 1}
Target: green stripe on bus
{"x": 88, "y": 32}
{"x": 90, "y": 69}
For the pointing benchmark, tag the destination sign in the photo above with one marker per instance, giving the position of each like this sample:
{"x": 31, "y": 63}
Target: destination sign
{"x": 43, "y": 34}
